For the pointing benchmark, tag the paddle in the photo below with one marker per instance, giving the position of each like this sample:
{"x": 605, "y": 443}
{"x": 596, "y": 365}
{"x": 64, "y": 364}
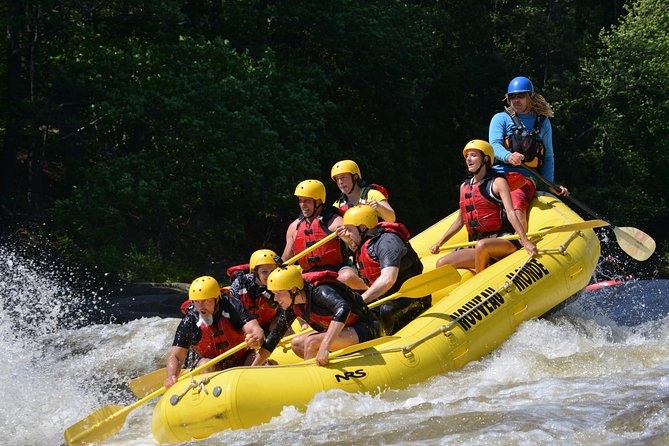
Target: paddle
{"x": 361, "y": 346}
{"x": 107, "y": 421}
{"x": 143, "y": 385}
{"x": 356, "y": 348}
{"x": 316, "y": 245}
{"x": 423, "y": 284}
{"x": 413, "y": 288}
{"x": 636, "y": 243}
{"x": 589, "y": 224}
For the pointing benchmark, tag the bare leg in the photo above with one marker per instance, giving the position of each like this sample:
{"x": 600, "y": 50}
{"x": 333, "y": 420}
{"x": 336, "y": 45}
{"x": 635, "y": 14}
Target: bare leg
{"x": 349, "y": 277}
{"x": 496, "y": 248}
{"x": 463, "y": 258}
{"x": 312, "y": 342}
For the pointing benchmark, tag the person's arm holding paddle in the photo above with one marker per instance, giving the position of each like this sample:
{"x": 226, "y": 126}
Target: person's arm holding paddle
{"x": 455, "y": 227}
{"x": 382, "y": 284}
{"x": 285, "y": 319}
{"x": 174, "y": 362}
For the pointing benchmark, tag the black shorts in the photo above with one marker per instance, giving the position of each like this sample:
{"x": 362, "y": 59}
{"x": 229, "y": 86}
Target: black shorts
{"x": 366, "y": 330}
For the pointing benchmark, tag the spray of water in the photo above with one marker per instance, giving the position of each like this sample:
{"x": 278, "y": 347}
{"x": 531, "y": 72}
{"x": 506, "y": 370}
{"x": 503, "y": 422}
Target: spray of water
{"x": 55, "y": 364}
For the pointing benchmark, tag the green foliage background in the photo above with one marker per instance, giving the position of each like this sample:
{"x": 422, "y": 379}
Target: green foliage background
{"x": 163, "y": 139}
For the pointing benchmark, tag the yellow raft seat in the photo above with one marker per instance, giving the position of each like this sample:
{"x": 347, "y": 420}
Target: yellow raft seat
{"x": 466, "y": 321}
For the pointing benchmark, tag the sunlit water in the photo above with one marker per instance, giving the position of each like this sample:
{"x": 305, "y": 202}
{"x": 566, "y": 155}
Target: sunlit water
{"x": 582, "y": 376}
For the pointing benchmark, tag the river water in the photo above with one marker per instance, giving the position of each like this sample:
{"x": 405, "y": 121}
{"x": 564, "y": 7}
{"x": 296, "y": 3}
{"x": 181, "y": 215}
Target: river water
{"x": 596, "y": 372}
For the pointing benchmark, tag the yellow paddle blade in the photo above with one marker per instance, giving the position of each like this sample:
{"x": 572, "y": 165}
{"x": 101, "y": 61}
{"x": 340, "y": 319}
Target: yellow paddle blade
{"x": 639, "y": 245}
{"x": 145, "y": 384}
{"x": 423, "y": 284}
{"x": 356, "y": 348}
{"x": 429, "y": 282}
{"x": 98, "y": 426}
{"x": 362, "y": 346}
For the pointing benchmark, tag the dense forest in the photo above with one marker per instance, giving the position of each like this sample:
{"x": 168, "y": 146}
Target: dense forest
{"x": 160, "y": 139}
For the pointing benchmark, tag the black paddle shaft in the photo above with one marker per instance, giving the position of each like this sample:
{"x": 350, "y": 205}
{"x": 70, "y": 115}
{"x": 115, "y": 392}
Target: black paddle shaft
{"x": 568, "y": 197}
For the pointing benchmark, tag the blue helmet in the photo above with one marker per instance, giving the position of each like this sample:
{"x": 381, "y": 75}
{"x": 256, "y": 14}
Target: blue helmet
{"x": 520, "y": 84}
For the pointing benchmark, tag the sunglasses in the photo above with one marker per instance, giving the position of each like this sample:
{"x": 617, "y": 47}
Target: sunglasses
{"x": 517, "y": 95}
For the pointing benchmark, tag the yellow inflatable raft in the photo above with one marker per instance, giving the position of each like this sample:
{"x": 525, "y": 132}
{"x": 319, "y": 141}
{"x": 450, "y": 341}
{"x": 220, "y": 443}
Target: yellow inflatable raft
{"x": 467, "y": 321}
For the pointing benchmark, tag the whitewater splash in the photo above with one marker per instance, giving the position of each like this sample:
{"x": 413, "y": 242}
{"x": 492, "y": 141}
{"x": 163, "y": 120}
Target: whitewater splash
{"x": 578, "y": 377}
{"x": 54, "y": 365}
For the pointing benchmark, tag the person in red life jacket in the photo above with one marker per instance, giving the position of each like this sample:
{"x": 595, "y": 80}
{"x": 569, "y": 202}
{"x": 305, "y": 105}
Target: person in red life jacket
{"x": 336, "y": 313}
{"x": 522, "y": 133}
{"x": 385, "y": 260}
{"x": 354, "y": 192}
{"x": 486, "y": 210}
{"x": 250, "y": 289}
{"x": 314, "y": 223}
{"x": 212, "y": 326}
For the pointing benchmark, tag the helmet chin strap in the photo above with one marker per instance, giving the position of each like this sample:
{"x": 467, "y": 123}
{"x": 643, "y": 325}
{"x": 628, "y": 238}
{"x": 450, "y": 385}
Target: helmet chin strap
{"x": 482, "y": 164}
{"x": 293, "y": 296}
{"x": 316, "y": 208}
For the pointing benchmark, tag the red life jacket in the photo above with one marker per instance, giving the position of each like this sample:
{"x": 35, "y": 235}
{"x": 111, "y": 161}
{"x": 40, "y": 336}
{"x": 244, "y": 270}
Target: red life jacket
{"x": 304, "y": 310}
{"x": 482, "y": 211}
{"x": 259, "y": 305}
{"x": 236, "y": 270}
{"x": 310, "y": 233}
{"x": 219, "y": 338}
{"x": 370, "y": 268}
{"x": 527, "y": 143}
{"x": 364, "y": 191}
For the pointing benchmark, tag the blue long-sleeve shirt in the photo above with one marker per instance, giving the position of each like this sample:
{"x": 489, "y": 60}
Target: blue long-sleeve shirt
{"x": 502, "y": 126}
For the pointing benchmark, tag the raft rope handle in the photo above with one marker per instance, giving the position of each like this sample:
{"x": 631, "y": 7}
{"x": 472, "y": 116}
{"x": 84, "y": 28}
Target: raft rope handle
{"x": 174, "y": 399}
{"x": 406, "y": 350}
{"x": 200, "y": 385}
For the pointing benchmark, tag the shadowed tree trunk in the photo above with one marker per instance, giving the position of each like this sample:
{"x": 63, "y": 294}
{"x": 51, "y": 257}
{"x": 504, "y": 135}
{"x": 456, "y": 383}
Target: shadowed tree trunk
{"x": 13, "y": 128}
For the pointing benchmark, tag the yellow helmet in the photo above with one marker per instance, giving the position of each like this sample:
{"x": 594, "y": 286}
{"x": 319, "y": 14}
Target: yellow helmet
{"x": 285, "y": 278}
{"x": 202, "y": 288}
{"x": 262, "y": 257}
{"x": 481, "y": 145}
{"x": 311, "y": 189}
{"x": 361, "y": 215}
{"x": 345, "y": 166}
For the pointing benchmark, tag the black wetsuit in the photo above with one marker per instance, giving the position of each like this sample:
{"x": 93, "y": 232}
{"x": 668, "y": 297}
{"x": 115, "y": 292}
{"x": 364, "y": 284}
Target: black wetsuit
{"x": 328, "y": 299}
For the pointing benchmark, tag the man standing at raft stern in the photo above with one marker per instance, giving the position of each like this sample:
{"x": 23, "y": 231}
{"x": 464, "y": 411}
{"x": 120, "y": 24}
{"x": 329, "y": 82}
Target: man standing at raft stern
{"x": 314, "y": 223}
{"x": 354, "y": 192}
{"x": 522, "y": 133}
{"x": 385, "y": 260}
{"x": 212, "y": 326}
{"x": 336, "y": 312}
